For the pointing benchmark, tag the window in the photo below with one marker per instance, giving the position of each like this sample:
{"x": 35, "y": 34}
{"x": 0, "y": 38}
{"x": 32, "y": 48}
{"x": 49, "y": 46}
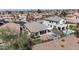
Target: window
{"x": 50, "y": 25}
{"x": 58, "y": 28}
{"x": 49, "y": 21}
{"x": 41, "y": 22}
{"x": 42, "y": 32}
{"x": 36, "y": 33}
{"x": 52, "y": 21}
{"x": 63, "y": 28}
{"x": 49, "y": 30}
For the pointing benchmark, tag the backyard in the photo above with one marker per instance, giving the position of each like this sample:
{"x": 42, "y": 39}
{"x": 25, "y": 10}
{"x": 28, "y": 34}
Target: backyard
{"x": 70, "y": 42}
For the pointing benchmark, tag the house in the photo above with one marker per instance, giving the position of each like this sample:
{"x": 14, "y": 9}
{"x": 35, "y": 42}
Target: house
{"x": 72, "y": 15}
{"x": 75, "y": 21}
{"x": 36, "y": 29}
{"x": 56, "y": 21}
{"x": 2, "y": 21}
{"x": 21, "y": 23}
{"x": 11, "y": 26}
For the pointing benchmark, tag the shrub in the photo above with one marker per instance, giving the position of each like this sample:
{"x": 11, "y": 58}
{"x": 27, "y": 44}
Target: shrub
{"x": 77, "y": 42}
{"x": 62, "y": 45}
{"x": 36, "y": 41}
{"x": 17, "y": 40}
{"x": 63, "y": 40}
{"x": 77, "y": 33}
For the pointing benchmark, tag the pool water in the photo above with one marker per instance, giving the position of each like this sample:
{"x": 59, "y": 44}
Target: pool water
{"x": 54, "y": 36}
{"x": 68, "y": 32}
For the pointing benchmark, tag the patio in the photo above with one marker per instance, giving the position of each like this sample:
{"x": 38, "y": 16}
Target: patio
{"x": 49, "y": 36}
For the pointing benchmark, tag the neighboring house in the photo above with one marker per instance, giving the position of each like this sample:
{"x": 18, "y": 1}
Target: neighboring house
{"x": 72, "y": 15}
{"x": 22, "y": 17}
{"x": 52, "y": 22}
{"x": 11, "y": 26}
{"x": 36, "y": 29}
{"x": 75, "y": 21}
{"x": 21, "y": 23}
{"x": 2, "y": 21}
{"x": 7, "y": 17}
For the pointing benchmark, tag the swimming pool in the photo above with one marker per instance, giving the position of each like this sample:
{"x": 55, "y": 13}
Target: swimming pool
{"x": 54, "y": 36}
{"x": 68, "y": 32}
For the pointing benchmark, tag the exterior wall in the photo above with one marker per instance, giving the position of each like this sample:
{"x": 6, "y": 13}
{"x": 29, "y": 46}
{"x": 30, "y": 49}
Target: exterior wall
{"x": 49, "y": 24}
{"x": 37, "y": 34}
{"x": 59, "y": 24}
{"x": 61, "y": 28}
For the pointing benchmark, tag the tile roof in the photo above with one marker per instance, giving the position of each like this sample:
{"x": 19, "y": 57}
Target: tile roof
{"x": 35, "y": 27}
{"x": 56, "y": 18}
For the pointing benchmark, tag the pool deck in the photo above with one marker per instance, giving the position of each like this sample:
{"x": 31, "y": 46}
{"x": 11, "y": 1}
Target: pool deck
{"x": 70, "y": 43}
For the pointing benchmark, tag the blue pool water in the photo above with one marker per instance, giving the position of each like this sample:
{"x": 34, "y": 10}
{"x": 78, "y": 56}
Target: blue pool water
{"x": 54, "y": 36}
{"x": 68, "y": 32}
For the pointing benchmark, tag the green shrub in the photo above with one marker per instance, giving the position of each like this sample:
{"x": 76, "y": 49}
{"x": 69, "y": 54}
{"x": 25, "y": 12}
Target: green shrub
{"x": 63, "y": 40}
{"x": 36, "y": 41}
{"x": 62, "y": 45}
{"x": 17, "y": 40}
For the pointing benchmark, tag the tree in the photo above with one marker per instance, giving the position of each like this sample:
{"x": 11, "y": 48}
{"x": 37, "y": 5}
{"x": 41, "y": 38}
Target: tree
{"x": 6, "y": 34}
{"x": 63, "y": 14}
{"x": 39, "y": 11}
{"x": 21, "y": 12}
{"x": 77, "y": 25}
{"x": 77, "y": 30}
{"x": 16, "y": 40}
